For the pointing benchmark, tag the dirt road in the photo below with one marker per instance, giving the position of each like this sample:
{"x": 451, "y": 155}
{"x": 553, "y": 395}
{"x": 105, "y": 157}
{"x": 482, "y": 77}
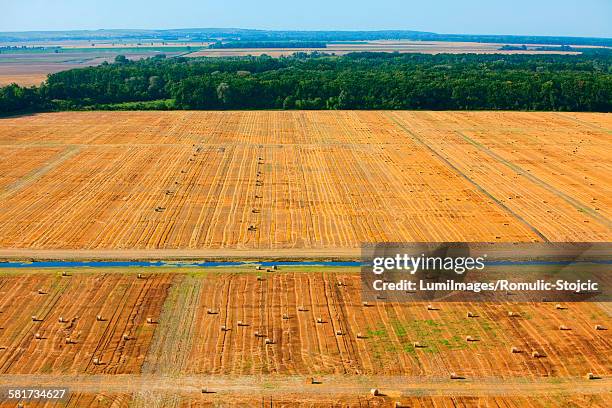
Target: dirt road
{"x": 335, "y": 385}
{"x": 179, "y": 254}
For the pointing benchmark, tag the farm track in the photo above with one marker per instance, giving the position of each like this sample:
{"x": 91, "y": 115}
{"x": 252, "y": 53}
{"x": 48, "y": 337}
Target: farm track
{"x": 320, "y": 181}
{"x": 335, "y": 385}
{"x": 326, "y": 401}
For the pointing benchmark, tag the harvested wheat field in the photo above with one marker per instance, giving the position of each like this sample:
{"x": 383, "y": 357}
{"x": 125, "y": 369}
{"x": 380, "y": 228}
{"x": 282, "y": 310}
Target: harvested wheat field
{"x": 32, "y": 71}
{"x": 54, "y": 324}
{"x": 316, "y": 325}
{"x": 217, "y": 323}
{"x": 301, "y": 180}
{"x": 296, "y": 337}
{"x": 399, "y": 46}
{"x": 23, "y": 79}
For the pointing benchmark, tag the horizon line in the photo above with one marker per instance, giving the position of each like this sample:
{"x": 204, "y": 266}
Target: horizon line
{"x": 74, "y": 30}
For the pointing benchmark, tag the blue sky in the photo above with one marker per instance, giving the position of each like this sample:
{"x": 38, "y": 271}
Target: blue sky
{"x": 527, "y": 17}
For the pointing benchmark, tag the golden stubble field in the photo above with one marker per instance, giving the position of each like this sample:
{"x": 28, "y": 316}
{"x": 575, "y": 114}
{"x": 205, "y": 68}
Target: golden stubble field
{"x": 256, "y": 338}
{"x": 399, "y": 46}
{"x": 301, "y": 180}
{"x": 145, "y": 184}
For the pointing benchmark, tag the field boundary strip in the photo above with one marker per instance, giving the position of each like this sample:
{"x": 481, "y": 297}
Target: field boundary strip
{"x": 172, "y": 342}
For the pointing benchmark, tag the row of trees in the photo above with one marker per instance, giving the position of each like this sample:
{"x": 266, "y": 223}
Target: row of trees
{"x": 355, "y": 81}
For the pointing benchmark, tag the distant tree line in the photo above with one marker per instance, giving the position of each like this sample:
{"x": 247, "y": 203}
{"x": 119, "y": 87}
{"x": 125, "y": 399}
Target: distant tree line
{"x": 508, "y": 47}
{"x": 354, "y": 81}
{"x": 555, "y": 48}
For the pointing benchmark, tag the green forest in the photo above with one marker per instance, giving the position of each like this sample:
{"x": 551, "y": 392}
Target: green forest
{"x": 319, "y": 81}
